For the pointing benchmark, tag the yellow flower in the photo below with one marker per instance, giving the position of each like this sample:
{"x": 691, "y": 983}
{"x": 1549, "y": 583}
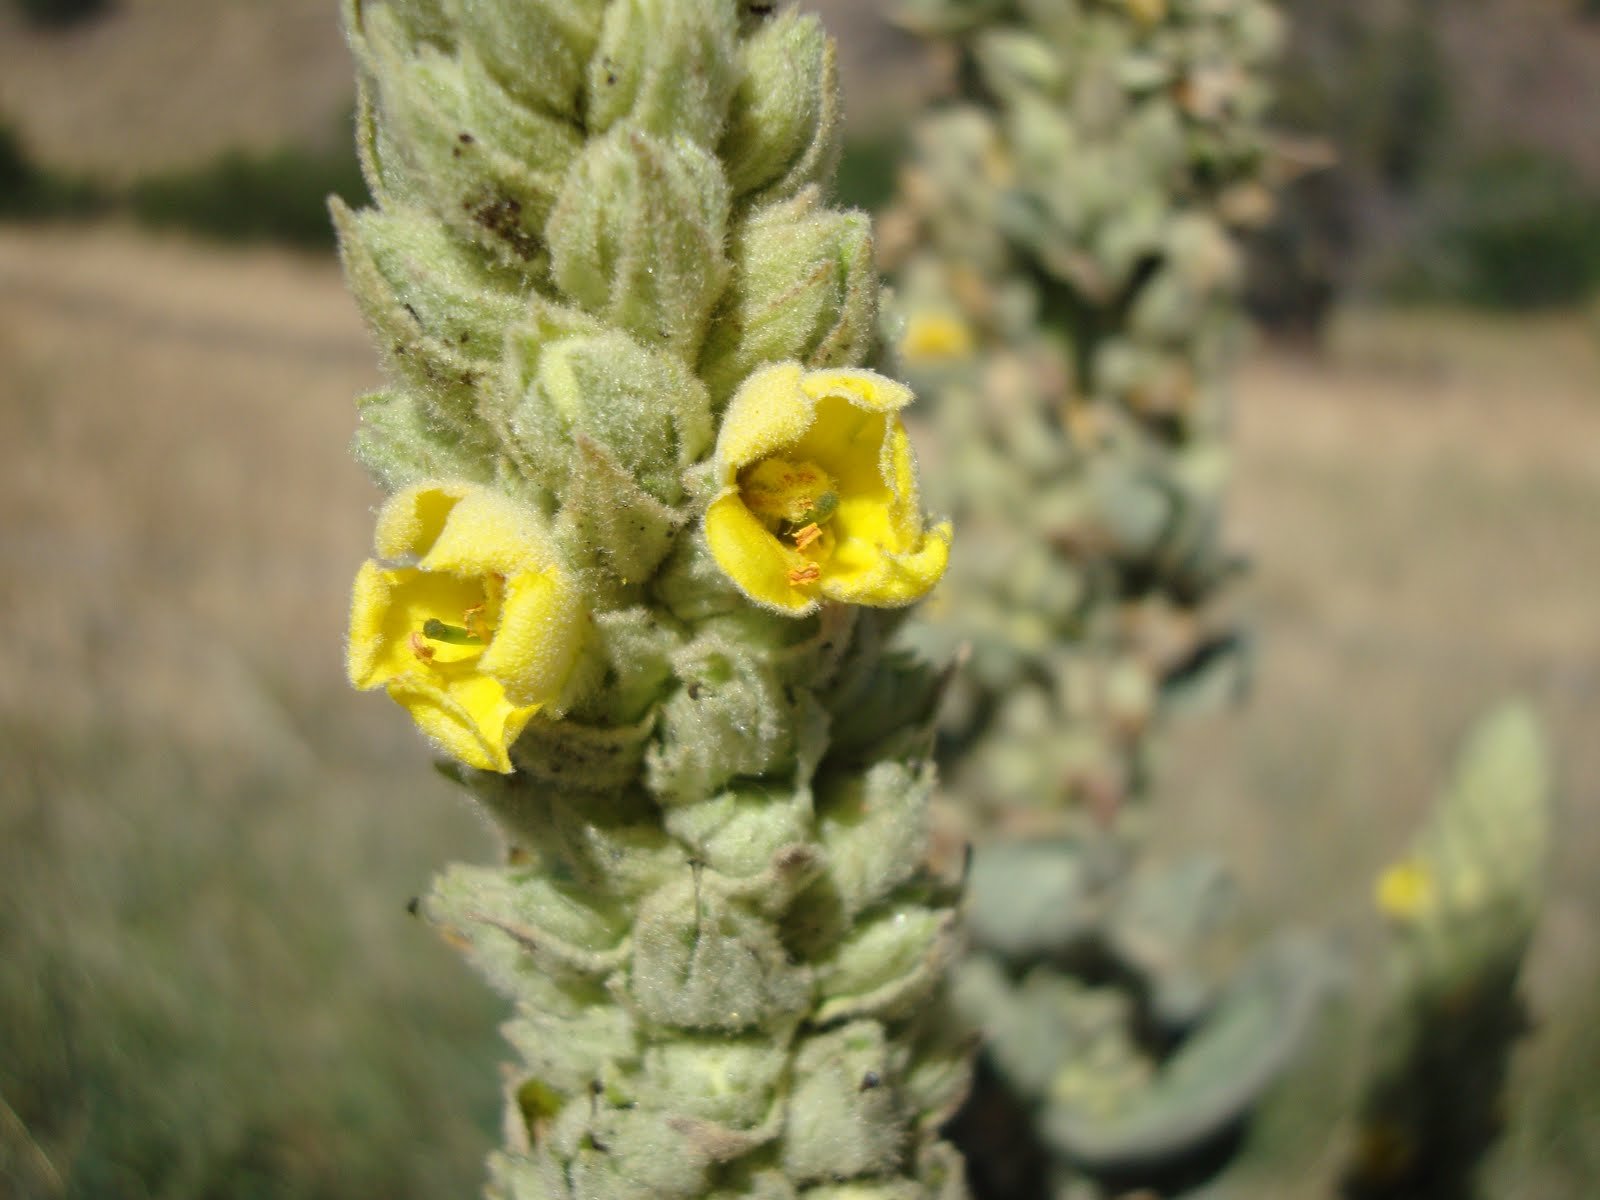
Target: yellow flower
{"x": 935, "y": 337}
{"x": 819, "y": 493}
{"x": 1405, "y": 891}
{"x": 469, "y": 623}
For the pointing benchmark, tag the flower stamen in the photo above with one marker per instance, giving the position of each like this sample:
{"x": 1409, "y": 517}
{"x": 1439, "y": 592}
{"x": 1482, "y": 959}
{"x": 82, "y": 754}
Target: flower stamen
{"x": 804, "y": 537}
{"x": 421, "y": 648}
{"x": 809, "y": 573}
{"x": 476, "y": 621}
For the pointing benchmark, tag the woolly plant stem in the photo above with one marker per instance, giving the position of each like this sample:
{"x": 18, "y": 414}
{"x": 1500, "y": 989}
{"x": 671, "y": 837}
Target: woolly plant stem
{"x": 649, "y": 530}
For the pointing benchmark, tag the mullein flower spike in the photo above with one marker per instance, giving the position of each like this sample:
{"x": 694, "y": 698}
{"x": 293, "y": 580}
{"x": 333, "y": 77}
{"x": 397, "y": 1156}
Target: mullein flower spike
{"x": 1067, "y": 289}
{"x": 1462, "y": 908}
{"x": 651, "y": 530}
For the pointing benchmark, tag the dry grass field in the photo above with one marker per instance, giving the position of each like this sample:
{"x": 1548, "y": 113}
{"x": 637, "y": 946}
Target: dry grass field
{"x": 161, "y": 84}
{"x": 208, "y": 981}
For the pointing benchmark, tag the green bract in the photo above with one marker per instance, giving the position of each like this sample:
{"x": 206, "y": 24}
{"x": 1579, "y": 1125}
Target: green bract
{"x": 597, "y": 222}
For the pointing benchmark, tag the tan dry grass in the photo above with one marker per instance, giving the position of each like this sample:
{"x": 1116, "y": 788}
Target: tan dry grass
{"x": 167, "y": 83}
{"x": 1424, "y": 510}
{"x": 161, "y": 84}
{"x": 206, "y": 840}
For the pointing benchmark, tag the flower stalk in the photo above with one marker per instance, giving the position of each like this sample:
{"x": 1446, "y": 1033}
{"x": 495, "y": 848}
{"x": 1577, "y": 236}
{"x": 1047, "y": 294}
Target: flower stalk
{"x": 1065, "y": 251}
{"x": 1462, "y": 908}
{"x": 650, "y": 529}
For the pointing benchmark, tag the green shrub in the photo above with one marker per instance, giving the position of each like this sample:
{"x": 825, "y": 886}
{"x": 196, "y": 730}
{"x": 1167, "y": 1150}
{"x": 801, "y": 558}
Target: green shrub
{"x": 1523, "y": 230}
{"x": 280, "y": 196}
{"x": 1516, "y": 229}
{"x": 28, "y": 190}
{"x": 60, "y": 12}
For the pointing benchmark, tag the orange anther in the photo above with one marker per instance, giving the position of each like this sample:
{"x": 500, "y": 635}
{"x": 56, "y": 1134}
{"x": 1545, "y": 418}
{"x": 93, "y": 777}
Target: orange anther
{"x": 421, "y": 648}
{"x": 804, "y": 537}
{"x": 809, "y": 573}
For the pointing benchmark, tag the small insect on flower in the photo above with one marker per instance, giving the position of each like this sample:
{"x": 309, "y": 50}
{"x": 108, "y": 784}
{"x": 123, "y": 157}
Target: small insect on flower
{"x": 468, "y": 622}
{"x": 819, "y": 493}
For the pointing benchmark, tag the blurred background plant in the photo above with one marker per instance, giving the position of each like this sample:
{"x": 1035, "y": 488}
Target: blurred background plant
{"x": 181, "y": 516}
{"x": 1066, "y": 244}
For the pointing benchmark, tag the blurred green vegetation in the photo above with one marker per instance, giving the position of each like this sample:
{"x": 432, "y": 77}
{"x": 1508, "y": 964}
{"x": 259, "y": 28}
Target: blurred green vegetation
{"x": 1412, "y": 210}
{"x": 1463, "y": 168}
{"x": 1519, "y": 230}
{"x": 28, "y": 190}
{"x": 193, "y": 1003}
{"x": 281, "y": 195}
{"x": 60, "y": 12}
{"x": 276, "y": 196}
{"x": 867, "y": 171}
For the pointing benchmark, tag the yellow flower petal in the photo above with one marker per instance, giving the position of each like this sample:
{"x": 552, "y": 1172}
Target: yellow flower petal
{"x": 489, "y": 533}
{"x": 470, "y": 719}
{"x": 540, "y": 634}
{"x": 867, "y": 389}
{"x": 866, "y": 544}
{"x": 887, "y": 579}
{"x": 365, "y": 659}
{"x": 754, "y": 559}
{"x": 935, "y": 337}
{"x": 411, "y": 521}
{"x": 1405, "y": 891}
{"x": 770, "y": 411}
{"x": 476, "y": 637}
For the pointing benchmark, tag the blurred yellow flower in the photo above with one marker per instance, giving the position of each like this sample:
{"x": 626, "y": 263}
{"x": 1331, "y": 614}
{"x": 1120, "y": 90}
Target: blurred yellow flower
{"x": 818, "y": 493}
{"x": 467, "y": 621}
{"x": 935, "y": 337}
{"x": 1406, "y": 890}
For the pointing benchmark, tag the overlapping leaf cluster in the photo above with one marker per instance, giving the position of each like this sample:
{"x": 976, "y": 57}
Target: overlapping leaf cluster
{"x": 597, "y": 221}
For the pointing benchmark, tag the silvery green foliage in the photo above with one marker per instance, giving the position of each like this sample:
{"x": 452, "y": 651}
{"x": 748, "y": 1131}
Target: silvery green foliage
{"x": 1067, "y": 270}
{"x": 1113, "y": 1011}
{"x": 1464, "y": 906}
{"x": 1075, "y": 215}
{"x": 594, "y": 219}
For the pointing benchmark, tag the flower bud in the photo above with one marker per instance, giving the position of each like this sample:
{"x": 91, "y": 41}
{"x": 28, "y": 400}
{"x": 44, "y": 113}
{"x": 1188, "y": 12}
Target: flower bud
{"x": 887, "y": 964}
{"x": 703, "y": 961}
{"x": 439, "y": 316}
{"x": 843, "y": 1120}
{"x": 644, "y": 406}
{"x": 666, "y": 68}
{"x": 637, "y": 237}
{"x": 564, "y": 33}
{"x": 732, "y": 1081}
{"x": 402, "y": 439}
{"x": 730, "y": 720}
{"x": 783, "y": 130}
{"x": 803, "y": 289}
{"x": 454, "y": 140}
